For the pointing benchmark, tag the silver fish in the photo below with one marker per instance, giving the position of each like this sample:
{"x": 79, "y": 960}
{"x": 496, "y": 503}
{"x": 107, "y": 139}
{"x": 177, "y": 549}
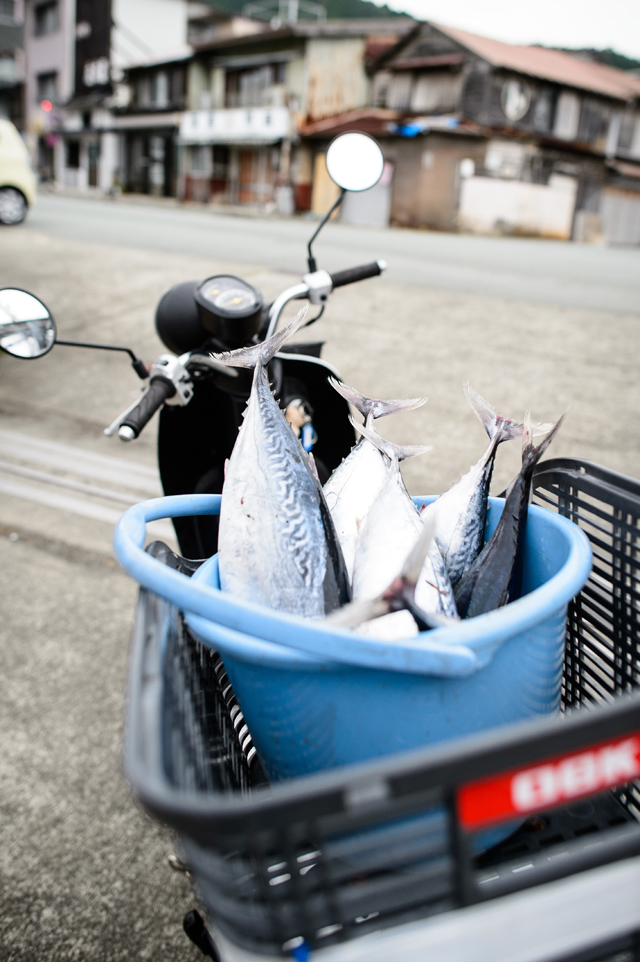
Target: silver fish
{"x": 389, "y": 532}
{"x": 394, "y": 614}
{"x": 462, "y": 510}
{"x": 277, "y": 544}
{"x": 357, "y": 481}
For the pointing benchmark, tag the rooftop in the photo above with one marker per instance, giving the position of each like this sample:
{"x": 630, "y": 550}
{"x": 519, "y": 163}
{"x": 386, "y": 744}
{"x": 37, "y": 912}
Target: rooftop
{"x": 553, "y": 65}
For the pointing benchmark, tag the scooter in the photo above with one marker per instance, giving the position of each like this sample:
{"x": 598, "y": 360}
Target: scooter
{"x": 201, "y": 401}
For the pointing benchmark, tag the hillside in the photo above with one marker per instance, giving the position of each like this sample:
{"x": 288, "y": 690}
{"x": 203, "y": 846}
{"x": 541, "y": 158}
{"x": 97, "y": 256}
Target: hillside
{"x": 336, "y": 9}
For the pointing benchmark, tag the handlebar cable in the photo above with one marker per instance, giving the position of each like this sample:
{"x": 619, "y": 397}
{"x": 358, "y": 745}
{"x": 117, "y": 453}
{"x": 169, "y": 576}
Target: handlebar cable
{"x": 311, "y": 261}
{"x": 136, "y": 363}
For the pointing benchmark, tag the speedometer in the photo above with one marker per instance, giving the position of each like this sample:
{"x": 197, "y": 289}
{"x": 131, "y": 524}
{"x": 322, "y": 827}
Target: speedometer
{"x": 229, "y": 308}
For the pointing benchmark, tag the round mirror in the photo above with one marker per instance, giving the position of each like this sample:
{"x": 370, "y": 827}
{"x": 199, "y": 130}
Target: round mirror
{"x": 355, "y": 161}
{"x": 27, "y": 329}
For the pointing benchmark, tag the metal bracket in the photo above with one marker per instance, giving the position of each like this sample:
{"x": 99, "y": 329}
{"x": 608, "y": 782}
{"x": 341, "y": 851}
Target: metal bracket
{"x": 170, "y": 366}
{"x": 319, "y": 285}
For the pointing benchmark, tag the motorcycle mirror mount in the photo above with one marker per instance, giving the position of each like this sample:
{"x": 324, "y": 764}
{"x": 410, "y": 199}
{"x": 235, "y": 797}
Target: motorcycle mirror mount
{"x": 28, "y": 330}
{"x": 354, "y": 162}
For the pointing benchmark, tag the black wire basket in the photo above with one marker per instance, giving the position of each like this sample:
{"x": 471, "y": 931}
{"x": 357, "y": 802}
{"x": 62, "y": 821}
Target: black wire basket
{"x": 327, "y": 858}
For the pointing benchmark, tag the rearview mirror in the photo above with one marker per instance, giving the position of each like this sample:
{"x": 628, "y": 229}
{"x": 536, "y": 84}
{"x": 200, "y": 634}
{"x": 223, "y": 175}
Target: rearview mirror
{"x": 355, "y": 161}
{"x": 27, "y": 329}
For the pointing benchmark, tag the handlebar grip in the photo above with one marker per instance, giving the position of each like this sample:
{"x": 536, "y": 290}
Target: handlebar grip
{"x": 160, "y": 389}
{"x": 353, "y": 274}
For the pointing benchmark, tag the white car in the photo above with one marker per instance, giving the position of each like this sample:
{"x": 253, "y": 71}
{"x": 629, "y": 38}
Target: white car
{"x": 17, "y": 180}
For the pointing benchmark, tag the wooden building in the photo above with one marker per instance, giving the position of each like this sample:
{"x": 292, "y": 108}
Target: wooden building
{"x": 248, "y": 98}
{"x": 494, "y": 137}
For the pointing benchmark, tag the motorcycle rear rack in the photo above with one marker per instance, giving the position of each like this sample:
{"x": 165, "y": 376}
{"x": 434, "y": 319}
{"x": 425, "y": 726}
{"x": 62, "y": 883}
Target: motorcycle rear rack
{"x": 368, "y": 848}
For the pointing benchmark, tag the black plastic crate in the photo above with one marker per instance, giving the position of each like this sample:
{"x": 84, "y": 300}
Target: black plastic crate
{"x": 332, "y": 856}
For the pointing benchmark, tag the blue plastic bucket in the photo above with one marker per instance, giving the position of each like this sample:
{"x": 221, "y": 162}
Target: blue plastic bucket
{"x": 316, "y": 699}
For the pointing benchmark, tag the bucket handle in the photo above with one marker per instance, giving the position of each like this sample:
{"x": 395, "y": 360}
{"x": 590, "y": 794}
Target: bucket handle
{"x": 426, "y": 654}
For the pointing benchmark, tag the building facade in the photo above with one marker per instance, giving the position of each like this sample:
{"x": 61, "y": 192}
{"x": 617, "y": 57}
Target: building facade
{"x": 179, "y": 99}
{"x": 508, "y": 139}
{"x": 76, "y": 53}
{"x": 12, "y": 62}
{"x": 248, "y": 98}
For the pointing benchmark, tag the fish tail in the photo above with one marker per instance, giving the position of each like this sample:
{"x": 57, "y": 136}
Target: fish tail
{"x": 369, "y": 406}
{"x": 531, "y": 454}
{"x": 259, "y": 355}
{"x": 497, "y": 426}
{"x": 392, "y": 451}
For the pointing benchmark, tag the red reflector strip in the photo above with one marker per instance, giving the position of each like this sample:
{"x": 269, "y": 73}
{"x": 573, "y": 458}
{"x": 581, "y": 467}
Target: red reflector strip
{"x": 561, "y": 779}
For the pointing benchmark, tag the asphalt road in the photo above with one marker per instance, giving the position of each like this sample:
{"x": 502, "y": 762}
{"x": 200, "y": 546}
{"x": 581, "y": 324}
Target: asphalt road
{"x": 84, "y": 875}
{"x": 540, "y": 271}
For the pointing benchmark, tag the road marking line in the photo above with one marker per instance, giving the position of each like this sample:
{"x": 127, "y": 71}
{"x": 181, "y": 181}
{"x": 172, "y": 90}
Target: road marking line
{"x": 133, "y": 474}
{"x": 53, "y": 499}
{"x": 106, "y": 493}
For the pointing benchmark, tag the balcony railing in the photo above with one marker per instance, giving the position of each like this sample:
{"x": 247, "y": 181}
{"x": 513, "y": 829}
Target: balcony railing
{"x": 249, "y": 125}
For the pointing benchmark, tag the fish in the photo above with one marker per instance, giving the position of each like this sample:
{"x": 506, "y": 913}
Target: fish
{"x": 394, "y": 614}
{"x": 359, "y": 478}
{"x": 494, "y": 577}
{"x": 277, "y": 543}
{"x": 390, "y": 530}
{"x": 462, "y": 510}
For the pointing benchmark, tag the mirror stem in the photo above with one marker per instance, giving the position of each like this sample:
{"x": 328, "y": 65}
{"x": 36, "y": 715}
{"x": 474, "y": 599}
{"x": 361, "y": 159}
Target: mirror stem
{"x": 311, "y": 261}
{"x": 136, "y": 363}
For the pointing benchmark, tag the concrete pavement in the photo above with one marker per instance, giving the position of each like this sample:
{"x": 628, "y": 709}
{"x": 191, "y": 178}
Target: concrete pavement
{"x": 540, "y": 271}
{"x": 85, "y": 875}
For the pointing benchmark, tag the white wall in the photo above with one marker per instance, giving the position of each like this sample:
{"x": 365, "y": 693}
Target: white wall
{"x": 620, "y": 211}
{"x": 489, "y": 205}
{"x": 149, "y": 30}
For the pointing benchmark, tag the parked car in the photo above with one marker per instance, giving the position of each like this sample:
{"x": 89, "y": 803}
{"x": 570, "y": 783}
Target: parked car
{"x": 17, "y": 180}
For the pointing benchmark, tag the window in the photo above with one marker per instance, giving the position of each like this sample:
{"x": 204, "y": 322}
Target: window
{"x": 7, "y": 68}
{"x": 142, "y": 92}
{"x": 47, "y": 87}
{"x": 220, "y": 163}
{"x": 177, "y": 86}
{"x": 543, "y": 110}
{"x": 252, "y": 87}
{"x": 199, "y": 158}
{"x": 73, "y": 154}
{"x": 46, "y": 18}
{"x": 161, "y": 98}
{"x": 567, "y": 117}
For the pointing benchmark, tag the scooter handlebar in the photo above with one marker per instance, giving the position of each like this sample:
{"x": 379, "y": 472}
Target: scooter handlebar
{"x": 353, "y": 274}
{"x": 160, "y": 389}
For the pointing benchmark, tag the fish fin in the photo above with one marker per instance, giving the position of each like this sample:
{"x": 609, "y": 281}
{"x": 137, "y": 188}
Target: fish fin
{"x": 388, "y": 448}
{"x": 495, "y": 423}
{"x": 260, "y": 354}
{"x": 313, "y": 466}
{"x": 373, "y": 406}
{"x": 531, "y": 454}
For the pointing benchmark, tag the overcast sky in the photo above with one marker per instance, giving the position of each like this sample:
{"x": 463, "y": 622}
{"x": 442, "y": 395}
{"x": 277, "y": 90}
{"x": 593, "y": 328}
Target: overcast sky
{"x": 558, "y": 23}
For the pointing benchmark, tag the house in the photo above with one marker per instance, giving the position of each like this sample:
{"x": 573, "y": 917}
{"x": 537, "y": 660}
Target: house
{"x": 11, "y": 62}
{"x": 148, "y": 116}
{"x": 493, "y": 137}
{"x": 76, "y": 53}
{"x": 248, "y": 98}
